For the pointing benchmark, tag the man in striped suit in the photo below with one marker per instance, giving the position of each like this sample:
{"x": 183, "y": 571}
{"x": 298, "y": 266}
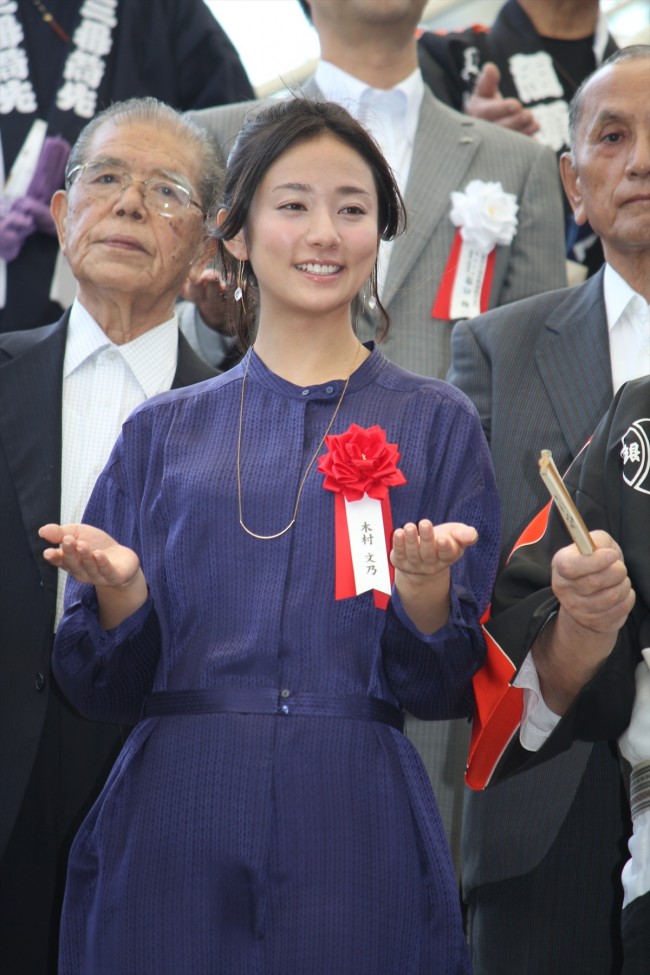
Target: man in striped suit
{"x": 539, "y": 847}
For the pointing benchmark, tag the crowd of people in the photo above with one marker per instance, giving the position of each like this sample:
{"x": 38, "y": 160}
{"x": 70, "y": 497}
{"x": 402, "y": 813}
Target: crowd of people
{"x": 300, "y": 670}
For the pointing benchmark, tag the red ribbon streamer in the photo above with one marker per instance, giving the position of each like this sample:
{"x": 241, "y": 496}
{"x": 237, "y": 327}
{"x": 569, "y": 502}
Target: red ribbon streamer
{"x": 344, "y": 585}
{"x": 359, "y": 461}
{"x": 442, "y": 305}
{"x": 498, "y": 708}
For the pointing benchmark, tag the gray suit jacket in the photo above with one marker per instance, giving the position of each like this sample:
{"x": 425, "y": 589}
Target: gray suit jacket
{"x": 539, "y": 373}
{"x": 31, "y": 369}
{"x": 450, "y": 150}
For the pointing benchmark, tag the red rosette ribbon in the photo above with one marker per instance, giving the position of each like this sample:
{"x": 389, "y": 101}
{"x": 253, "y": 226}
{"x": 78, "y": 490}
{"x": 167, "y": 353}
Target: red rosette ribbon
{"x": 360, "y": 465}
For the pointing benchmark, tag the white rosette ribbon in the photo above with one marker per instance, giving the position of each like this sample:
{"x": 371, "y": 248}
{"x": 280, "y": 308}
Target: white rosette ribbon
{"x": 486, "y": 217}
{"x": 485, "y": 214}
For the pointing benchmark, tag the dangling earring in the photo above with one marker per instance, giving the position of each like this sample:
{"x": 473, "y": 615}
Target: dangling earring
{"x": 239, "y": 293}
{"x": 372, "y": 297}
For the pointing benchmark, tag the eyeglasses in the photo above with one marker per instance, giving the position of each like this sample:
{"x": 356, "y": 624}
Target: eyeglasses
{"x": 104, "y": 181}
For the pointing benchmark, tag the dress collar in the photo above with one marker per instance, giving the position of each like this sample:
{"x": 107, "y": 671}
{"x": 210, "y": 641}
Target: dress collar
{"x": 366, "y": 373}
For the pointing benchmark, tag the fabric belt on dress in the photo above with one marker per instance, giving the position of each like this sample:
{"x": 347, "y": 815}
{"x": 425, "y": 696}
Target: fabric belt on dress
{"x": 267, "y": 700}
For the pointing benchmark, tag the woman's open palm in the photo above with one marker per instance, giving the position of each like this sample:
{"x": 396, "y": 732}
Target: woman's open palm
{"x": 90, "y": 555}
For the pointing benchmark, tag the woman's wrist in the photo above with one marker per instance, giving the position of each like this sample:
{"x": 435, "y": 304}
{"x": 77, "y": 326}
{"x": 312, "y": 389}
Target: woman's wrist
{"x": 425, "y": 598}
{"x": 116, "y": 603}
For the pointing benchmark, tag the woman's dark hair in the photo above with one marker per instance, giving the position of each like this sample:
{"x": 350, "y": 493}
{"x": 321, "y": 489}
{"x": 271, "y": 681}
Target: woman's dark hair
{"x": 264, "y": 137}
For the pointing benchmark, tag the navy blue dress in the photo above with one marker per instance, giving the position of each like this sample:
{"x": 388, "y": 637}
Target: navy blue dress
{"x": 297, "y": 833}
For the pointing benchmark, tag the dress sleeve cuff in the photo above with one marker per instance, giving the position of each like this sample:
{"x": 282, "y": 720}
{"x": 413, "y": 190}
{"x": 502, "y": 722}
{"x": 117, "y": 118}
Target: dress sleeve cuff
{"x": 104, "y": 640}
{"x": 538, "y": 721}
{"x": 456, "y": 616}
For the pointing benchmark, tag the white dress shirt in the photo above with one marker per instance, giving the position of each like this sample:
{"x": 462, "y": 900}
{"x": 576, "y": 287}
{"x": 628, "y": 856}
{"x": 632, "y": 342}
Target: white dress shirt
{"x": 102, "y": 384}
{"x": 628, "y": 321}
{"x": 391, "y": 117}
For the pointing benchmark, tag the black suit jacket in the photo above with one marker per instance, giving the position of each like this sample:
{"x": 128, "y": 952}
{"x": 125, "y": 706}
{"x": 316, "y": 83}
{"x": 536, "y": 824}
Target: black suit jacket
{"x": 539, "y": 373}
{"x": 31, "y": 367}
{"x": 554, "y": 835}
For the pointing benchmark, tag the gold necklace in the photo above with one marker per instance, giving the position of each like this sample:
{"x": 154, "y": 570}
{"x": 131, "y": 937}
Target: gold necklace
{"x": 309, "y": 465}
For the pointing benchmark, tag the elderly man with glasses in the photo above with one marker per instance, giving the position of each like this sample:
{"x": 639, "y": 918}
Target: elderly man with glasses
{"x": 139, "y": 182}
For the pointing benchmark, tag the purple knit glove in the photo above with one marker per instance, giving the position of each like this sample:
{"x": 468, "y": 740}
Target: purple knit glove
{"x": 31, "y": 213}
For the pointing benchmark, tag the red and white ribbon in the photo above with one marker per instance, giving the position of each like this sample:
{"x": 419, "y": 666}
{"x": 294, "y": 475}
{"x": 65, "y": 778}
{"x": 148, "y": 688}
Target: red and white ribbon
{"x": 359, "y": 467}
{"x": 466, "y": 282}
{"x": 486, "y": 217}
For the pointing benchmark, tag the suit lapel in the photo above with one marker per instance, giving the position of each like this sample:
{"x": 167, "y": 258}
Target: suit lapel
{"x": 573, "y": 361}
{"x": 190, "y": 368}
{"x": 445, "y": 144}
{"x": 30, "y": 426}
{"x": 30, "y": 435}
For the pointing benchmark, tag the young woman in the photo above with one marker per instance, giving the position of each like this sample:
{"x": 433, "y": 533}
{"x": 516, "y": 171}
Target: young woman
{"x": 245, "y": 603}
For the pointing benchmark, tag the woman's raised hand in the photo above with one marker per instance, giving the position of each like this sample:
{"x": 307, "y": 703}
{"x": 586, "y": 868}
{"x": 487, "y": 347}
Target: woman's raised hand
{"x": 90, "y": 555}
{"x": 423, "y": 549}
{"x": 422, "y": 555}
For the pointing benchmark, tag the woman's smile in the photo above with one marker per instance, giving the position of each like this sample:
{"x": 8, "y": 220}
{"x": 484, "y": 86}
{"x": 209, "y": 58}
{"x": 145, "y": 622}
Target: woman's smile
{"x": 315, "y": 210}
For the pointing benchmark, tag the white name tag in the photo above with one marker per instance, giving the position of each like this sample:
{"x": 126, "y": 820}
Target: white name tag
{"x": 18, "y": 182}
{"x": 468, "y": 283}
{"x": 26, "y": 161}
{"x": 368, "y": 545}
